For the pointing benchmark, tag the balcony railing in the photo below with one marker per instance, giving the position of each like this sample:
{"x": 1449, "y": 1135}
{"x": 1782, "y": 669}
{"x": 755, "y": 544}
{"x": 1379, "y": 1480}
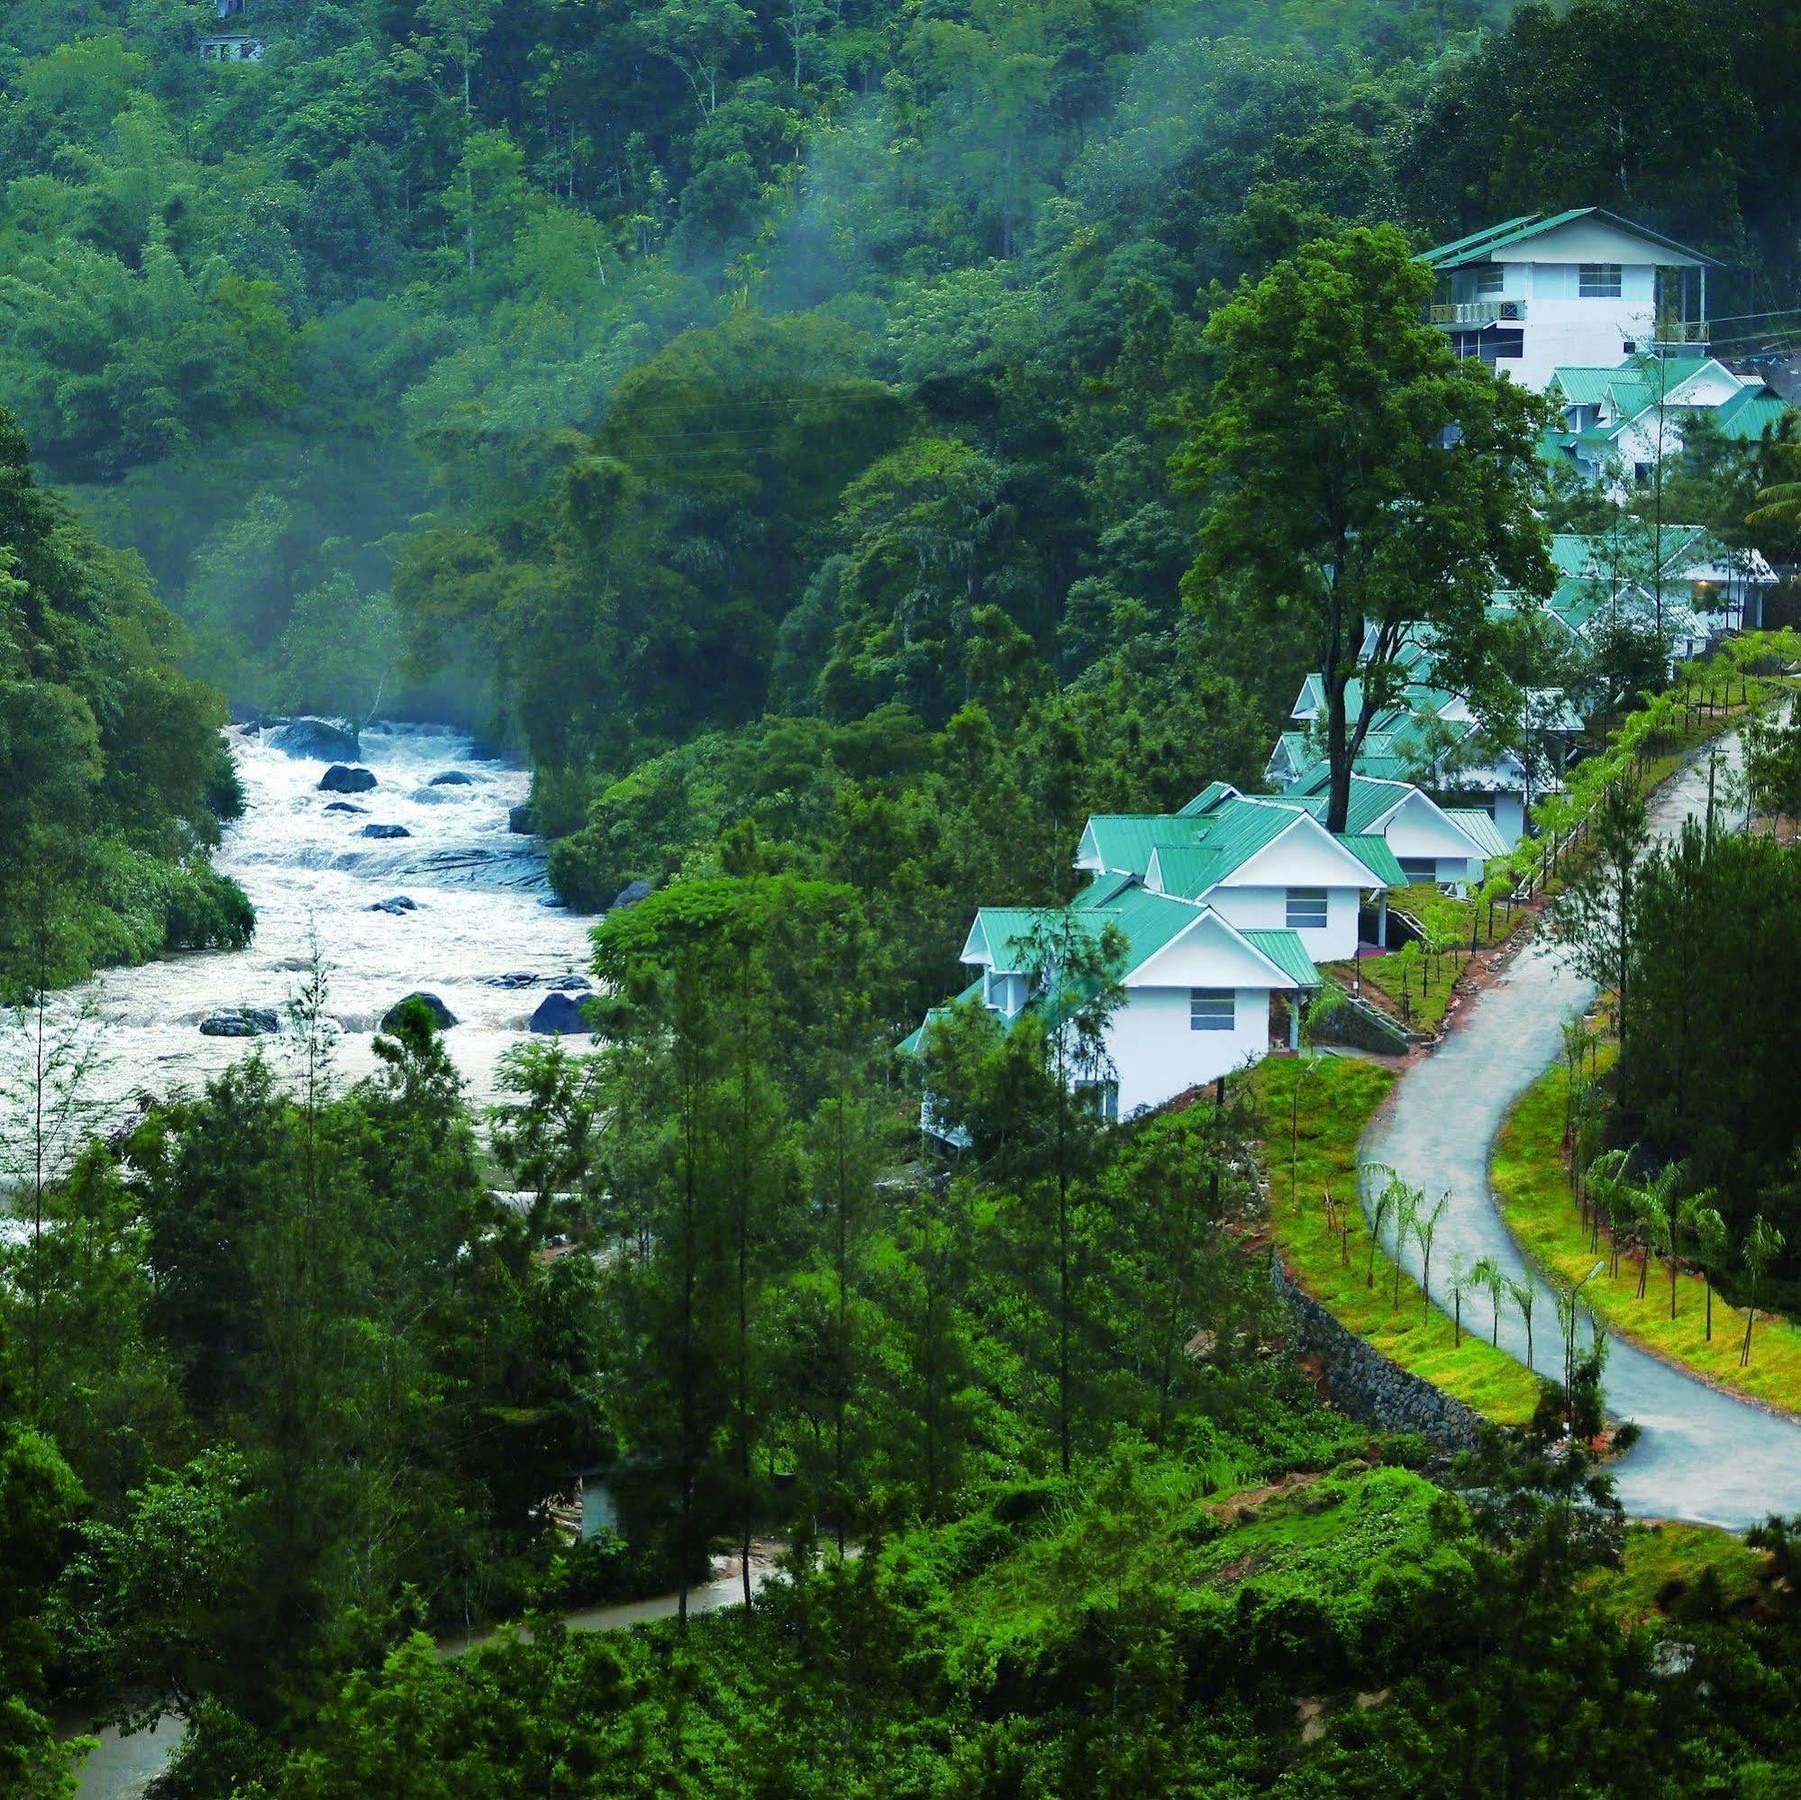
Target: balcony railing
{"x": 1681, "y": 331}
{"x": 1477, "y": 312}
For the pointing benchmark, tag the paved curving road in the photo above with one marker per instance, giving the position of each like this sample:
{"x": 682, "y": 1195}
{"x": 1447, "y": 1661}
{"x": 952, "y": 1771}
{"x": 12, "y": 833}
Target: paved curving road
{"x": 1704, "y": 1455}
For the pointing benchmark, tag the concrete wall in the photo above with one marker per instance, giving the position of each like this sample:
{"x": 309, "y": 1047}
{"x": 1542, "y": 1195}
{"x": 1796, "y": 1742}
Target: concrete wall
{"x": 1157, "y": 1054}
{"x": 1364, "y": 1382}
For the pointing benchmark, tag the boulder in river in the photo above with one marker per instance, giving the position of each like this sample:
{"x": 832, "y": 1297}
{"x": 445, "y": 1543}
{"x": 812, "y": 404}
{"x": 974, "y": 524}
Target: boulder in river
{"x": 452, "y": 778}
{"x": 344, "y": 806}
{"x": 559, "y": 1015}
{"x": 512, "y": 980}
{"x": 327, "y": 740}
{"x": 396, "y": 904}
{"x": 341, "y": 779}
{"x": 441, "y": 1014}
{"x": 241, "y": 1022}
{"x": 519, "y": 821}
{"x": 384, "y": 831}
{"x": 630, "y": 895}
{"x": 568, "y": 984}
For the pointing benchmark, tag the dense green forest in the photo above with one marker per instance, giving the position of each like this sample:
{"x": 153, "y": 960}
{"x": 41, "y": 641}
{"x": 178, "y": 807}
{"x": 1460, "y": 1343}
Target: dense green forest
{"x": 817, "y": 435}
{"x": 113, "y": 777}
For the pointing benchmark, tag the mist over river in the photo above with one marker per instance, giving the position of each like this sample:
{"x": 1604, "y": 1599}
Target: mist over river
{"x": 481, "y": 918}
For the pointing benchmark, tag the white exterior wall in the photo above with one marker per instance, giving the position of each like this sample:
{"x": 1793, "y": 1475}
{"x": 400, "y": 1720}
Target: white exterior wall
{"x": 1561, "y": 327}
{"x": 1418, "y": 829}
{"x": 1510, "y": 816}
{"x": 1264, "y": 908}
{"x": 1157, "y": 1054}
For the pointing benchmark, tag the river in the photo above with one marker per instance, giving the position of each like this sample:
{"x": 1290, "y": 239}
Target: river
{"x": 484, "y": 936}
{"x": 483, "y": 917}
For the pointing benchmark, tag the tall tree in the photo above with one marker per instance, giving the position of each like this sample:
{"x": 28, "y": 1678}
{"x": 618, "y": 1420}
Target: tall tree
{"x": 1361, "y": 476}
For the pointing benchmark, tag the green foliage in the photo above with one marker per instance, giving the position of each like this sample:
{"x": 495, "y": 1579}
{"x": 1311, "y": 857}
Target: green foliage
{"x": 110, "y": 760}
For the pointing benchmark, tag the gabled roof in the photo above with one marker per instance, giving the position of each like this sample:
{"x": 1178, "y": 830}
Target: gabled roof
{"x": 1123, "y": 842}
{"x": 1287, "y": 952}
{"x": 1150, "y": 923}
{"x": 1749, "y": 414}
{"x": 1480, "y": 828}
{"x": 909, "y": 1045}
{"x": 1232, "y": 833}
{"x": 1372, "y": 799}
{"x": 1480, "y": 246}
{"x": 1628, "y": 387}
{"x": 1371, "y": 849}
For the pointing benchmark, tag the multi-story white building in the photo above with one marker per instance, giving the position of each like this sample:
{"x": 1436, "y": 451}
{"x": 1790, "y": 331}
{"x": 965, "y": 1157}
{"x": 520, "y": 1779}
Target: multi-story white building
{"x": 1581, "y": 287}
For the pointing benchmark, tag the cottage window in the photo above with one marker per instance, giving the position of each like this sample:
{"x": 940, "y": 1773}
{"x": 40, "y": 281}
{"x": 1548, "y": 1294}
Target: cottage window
{"x": 1420, "y": 868}
{"x": 1306, "y": 909}
{"x": 1598, "y": 281}
{"x": 1101, "y": 1096}
{"x": 1212, "y": 1009}
{"x": 1489, "y": 280}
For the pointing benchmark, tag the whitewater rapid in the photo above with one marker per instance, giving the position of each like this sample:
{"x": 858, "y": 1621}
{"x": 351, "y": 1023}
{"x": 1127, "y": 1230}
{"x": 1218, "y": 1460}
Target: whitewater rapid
{"x": 484, "y": 914}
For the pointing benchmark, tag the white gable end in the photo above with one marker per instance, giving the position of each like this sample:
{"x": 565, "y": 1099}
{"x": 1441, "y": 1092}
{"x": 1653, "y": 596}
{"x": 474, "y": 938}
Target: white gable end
{"x": 1209, "y": 954}
{"x": 1305, "y": 855}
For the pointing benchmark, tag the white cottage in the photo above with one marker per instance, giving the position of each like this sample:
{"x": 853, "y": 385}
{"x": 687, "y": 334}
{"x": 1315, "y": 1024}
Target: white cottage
{"x": 1197, "y": 988}
{"x": 1261, "y": 867}
{"x": 1583, "y": 286}
{"x": 1620, "y": 420}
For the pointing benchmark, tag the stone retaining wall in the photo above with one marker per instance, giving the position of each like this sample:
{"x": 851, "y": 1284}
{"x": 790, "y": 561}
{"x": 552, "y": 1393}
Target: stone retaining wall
{"x": 1363, "y": 1381}
{"x": 1365, "y": 1027}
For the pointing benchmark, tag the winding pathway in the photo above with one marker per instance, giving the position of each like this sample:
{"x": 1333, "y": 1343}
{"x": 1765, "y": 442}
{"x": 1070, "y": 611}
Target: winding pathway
{"x": 1704, "y": 1455}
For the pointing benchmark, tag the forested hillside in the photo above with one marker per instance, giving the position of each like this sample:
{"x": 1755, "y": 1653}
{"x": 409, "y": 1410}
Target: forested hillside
{"x": 838, "y": 445}
{"x": 113, "y": 777}
{"x": 628, "y": 371}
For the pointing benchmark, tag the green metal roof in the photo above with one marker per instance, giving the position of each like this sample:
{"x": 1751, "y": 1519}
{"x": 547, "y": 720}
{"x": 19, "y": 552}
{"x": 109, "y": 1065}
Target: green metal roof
{"x": 1189, "y": 870}
{"x": 1572, "y": 553}
{"x": 910, "y": 1044}
{"x": 1749, "y": 414}
{"x": 1207, "y": 799}
{"x": 1480, "y": 246}
{"x": 1371, "y": 849}
{"x": 1628, "y": 387}
{"x": 1287, "y": 952}
{"x": 1149, "y": 921}
{"x": 1102, "y": 889}
{"x": 1124, "y": 841}
{"x": 1371, "y": 797}
{"x": 1481, "y": 828}
{"x": 1231, "y": 834}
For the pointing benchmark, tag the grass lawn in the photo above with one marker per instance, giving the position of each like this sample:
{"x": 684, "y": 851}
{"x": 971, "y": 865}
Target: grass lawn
{"x": 1338, "y": 1098}
{"x": 1416, "y": 986}
{"x": 1663, "y": 1561}
{"x": 1530, "y": 1176}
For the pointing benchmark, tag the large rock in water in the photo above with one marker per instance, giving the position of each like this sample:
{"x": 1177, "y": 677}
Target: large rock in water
{"x": 324, "y": 739}
{"x": 630, "y": 895}
{"x": 441, "y": 1014}
{"x": 560, "y": 1015}
{"x": 452, "y": 778}
{"x": 384, "y": 831}
{"x": 341, "y": 780}
{"x": 241, "y": 1022}
{"x": 396, "y": 904}
{"x": 519, "y": 821}
{"x": 344, "y": 806}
